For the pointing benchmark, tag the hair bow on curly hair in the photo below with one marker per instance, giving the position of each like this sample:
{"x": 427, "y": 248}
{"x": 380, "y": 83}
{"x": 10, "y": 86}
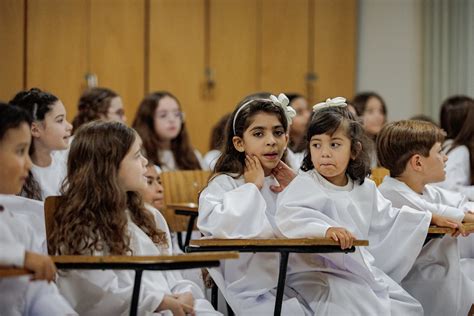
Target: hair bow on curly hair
{"x": 282, "y": 101}
{"x": 338, "y": 101}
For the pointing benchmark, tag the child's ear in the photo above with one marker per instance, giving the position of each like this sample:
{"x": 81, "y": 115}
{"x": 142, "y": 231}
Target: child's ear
{"x": 35, "y": 129}
{"x": 415, "y": 162}
{"x": 356, "y": 151}
{"x": 238, "y": 143}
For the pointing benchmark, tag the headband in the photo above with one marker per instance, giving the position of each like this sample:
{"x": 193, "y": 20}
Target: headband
{"x": 280, "y": 101}
{"x": 336, "y": 102}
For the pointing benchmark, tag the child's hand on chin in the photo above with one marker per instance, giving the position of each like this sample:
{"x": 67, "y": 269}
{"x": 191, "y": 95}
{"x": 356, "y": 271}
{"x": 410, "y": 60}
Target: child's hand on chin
{"x": 284, "y": 175}
{"x": 253, "y": 171}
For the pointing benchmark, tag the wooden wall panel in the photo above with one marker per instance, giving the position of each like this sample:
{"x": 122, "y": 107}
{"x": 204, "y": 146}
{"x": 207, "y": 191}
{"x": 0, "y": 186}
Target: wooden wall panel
{"x": 284, "y": 45}
{"x": 233, "y": 54}
{"x": 56, "y": 48}
{"x": 117, "y": 42}
{"x": 11, "y": 48}
{"x": 335, "y": 42}
{"x": 177, "y": 59}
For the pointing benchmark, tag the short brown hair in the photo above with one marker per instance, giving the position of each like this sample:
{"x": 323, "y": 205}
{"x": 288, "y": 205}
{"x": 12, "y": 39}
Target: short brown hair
{"x": 398, "y": 141}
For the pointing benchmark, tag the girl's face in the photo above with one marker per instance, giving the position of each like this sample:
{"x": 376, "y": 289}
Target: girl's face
{"x": 153, "y": 194}
{"x": 330, "y": 155}
{"x": 168, "y": 119}
{"x": 54, "y": 131}
{"x": 116, "y": 112}
{"x": 373, "y": 117}
{"x": 15, "y": 159}
{"x": 299, "y": 122}
{"x": 131, "y": 173}
{"x": 265, "y": 138}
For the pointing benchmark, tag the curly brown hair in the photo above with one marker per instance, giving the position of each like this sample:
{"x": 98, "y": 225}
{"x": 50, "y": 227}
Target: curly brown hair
{"x": 181, "y": 147}
{"x": 91, "y": 216}
{"x": 93, "y": 103}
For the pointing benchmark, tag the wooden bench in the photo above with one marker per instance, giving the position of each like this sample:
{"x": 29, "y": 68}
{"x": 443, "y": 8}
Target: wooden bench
{"x": 283, "y": 246}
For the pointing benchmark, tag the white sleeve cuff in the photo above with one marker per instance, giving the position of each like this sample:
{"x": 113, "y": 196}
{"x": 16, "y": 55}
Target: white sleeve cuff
{"x": 12, "y": 254}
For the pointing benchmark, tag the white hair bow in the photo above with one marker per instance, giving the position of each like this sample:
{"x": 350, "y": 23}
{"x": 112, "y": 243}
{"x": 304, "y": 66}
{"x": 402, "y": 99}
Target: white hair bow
{"x": 338, "y": 101}
{"x": 282, "y": 101}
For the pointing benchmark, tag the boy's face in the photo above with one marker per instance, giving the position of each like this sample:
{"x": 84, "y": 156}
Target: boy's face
{"x": 434, "y": 164}
{"x": 15, "y": 159}
{"x": 153, "y": 194}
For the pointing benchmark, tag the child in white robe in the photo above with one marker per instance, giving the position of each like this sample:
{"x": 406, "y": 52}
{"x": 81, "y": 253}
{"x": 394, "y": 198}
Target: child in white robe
{"x": 411, "y": 150}
{"x": 457, "y": 115}
{"x": 18, "y": 244}
{"x": 239, "y": 202}
{"x": 160, "y": 123}
{"x": 50, "y": 135}
{"x": 333, "y": 199}
{"x": 101, "y": 213}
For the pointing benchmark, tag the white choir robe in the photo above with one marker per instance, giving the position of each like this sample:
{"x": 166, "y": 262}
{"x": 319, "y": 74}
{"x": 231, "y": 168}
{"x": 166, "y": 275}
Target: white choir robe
{"x": 109, "y": 292}
{"x": 30, "y": 212}
{"x": 458, "y": 170}
{"x": 310, "y": 205}
{"x": 439, "y": 265}
{"x": 231, "y": 208}
{"x": 50, "y": 178}
{"x": 19, "y": 295}
{"x": 436, "y": 200}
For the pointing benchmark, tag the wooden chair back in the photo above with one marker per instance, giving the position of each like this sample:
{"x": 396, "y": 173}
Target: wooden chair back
{"x": 377, "y": 174}
{"x": 50, "y": 206}
{"x": 181, "y": 187}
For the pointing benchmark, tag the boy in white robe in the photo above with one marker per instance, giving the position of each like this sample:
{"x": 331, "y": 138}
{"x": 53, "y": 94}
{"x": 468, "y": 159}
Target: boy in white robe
{"x": 411, "y": 150}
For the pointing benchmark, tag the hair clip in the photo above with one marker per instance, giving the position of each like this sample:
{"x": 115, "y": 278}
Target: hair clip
{"x": 337, "y": 102}
{"x": 282, "y": 101}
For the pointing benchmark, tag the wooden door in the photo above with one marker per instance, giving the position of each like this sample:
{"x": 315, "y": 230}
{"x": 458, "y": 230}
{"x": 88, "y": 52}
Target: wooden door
{"x": 334, "y": 49}
{"x": 11, "y": 48}
{"x": 117, "y": 44}
{"x": 283, "y": 45}
{"x": 176, "y": 59}
{"x": 57, "y": 48}
{"x": 233, "y": 55}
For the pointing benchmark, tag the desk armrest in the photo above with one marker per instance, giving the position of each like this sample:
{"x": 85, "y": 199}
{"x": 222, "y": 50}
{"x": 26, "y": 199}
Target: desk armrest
{"x": 206, "y": 242}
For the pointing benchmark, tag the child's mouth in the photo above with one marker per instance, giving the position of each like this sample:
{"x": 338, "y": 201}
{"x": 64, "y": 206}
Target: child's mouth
{"x": 271, "y": 156}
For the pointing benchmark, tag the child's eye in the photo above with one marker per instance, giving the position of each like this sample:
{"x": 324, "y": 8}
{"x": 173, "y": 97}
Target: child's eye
{"x": 258, "y": 134}
{"x": 335, "y": 145}
{"x": 279, "y": 133}
{"x": 317, "y": 146}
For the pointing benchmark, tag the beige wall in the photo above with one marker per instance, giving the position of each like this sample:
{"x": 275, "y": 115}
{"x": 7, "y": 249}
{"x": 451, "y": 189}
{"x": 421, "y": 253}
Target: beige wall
{"x": 390, "y": 54}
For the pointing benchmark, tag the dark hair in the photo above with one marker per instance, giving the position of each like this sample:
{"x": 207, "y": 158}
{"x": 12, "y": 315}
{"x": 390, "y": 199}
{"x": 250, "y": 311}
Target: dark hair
{"x": 93, "y": 103}
{"x": 91, "y": 216}
{"x": 12, "y": 117}
{"x": 37, "y": 104}
{"x": 217, "y": 140}
{"x": 328, "y": 121}
{"x": 181, "y": 147}
{"x": 360, "y": 102}
{"x": 398, "y": 141}
{"x": 232, "y": 161}
{"x": 456, "y": 117}
{"x": 293, "y": 96}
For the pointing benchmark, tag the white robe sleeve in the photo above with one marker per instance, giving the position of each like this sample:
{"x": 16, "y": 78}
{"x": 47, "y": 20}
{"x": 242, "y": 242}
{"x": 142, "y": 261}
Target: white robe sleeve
{"x": 299, "y": 210}
{"x": 227, "y": 210}
{"x": 400, "y": 198}
{"x": 396, "y": 236}
{"x": 11, "y": 254}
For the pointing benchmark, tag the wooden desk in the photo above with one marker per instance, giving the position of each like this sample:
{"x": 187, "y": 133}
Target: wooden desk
{"x": 141, "y": 263}
{"x": 6, "y": 272}
{"x": 185, "y": 209}
{"x": 282, "y": 246}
